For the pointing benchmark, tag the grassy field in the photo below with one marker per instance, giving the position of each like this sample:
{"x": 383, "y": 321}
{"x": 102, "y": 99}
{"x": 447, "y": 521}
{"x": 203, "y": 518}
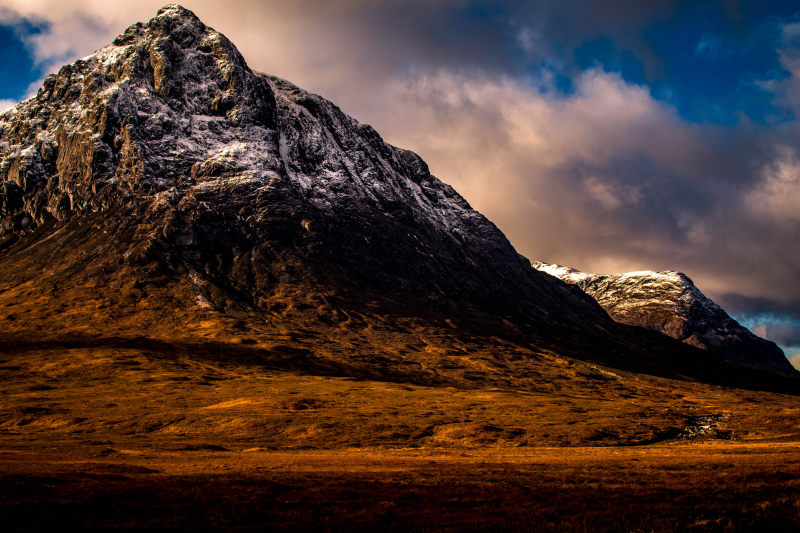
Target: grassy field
{"x": 141, "y": 433}
{"x": 698, "y": 487}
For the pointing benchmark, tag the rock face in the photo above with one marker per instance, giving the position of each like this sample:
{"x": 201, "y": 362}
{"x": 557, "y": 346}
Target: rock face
{"x": 670, "y": 303}
{"x": 201, "y": 171}
{"x": 142, "y": 116}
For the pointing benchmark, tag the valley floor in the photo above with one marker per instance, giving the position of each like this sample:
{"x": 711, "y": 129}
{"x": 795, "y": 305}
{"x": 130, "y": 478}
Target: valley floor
{"x": 696, "y": 487}
{"x": 138, "y": 433}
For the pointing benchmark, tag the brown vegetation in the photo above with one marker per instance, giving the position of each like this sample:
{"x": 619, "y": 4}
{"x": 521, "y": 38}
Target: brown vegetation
{"x": 142, "y": 433}
{"x": 126, "y": 402}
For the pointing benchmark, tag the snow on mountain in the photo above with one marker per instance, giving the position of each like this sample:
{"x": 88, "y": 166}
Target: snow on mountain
{"x": 669, "y": 302}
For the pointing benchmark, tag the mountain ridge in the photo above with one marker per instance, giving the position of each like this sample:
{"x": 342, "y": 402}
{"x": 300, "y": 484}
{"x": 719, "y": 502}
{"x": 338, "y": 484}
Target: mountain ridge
{"x": 670, "y": 302}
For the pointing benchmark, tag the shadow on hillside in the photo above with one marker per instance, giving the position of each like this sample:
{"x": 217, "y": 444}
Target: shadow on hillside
{"x": 282, "y": 357}
{"x": 288, "y": 358}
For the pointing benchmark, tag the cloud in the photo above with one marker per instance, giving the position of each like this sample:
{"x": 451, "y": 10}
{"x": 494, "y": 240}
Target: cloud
{"x": 71, "y": 29}
{"x": 778, "y": 322}
{"x": 786, "y": 85}
{"x": 777, "y": 195}
{"x": 781, "y": 332}
{"x": 7, "y": 104}
{"x": 605, "y": 179}
{"x": 708, "y": 46}
{"x": 537, "y": 155}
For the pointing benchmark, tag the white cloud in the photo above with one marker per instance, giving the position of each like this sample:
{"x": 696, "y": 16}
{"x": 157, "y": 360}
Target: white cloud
{"x": 7, "y": 104}
{"x": 777, "y": 195}
{"x": 787, "y": 88}
{"x": 530, "y": 40}
{"x": 549, "y": 170}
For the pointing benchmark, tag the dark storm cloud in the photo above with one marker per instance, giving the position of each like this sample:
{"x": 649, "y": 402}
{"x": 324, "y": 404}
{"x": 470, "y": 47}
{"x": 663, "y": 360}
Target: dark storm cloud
{"x": 763, "y": 310}
{"x": 784, "y": 333}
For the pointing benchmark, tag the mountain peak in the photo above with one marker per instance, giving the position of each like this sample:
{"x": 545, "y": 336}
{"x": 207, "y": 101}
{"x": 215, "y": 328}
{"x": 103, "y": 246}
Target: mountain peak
{"x": 171, "y": 21}
{"x": 670, "y": 303}
{"x": 180, "y": 50}
{"x": 176, "y": 11}
{"x": 132, "y": 117}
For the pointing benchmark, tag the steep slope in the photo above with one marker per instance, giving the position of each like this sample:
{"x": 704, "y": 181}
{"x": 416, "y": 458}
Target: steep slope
{"x": 670, "y": 303}
{"x": 159, "y": 184}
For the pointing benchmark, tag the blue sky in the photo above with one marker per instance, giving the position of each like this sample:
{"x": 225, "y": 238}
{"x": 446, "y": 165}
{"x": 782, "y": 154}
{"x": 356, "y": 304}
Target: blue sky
{"x": 608, "y": 135}
{"x": 18, "y": 68}
{"x": 713, "y": 60}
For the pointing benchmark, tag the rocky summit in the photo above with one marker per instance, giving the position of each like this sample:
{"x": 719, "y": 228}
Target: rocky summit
{"x": 669, "y": 302}
{"x": 160, "y": 188}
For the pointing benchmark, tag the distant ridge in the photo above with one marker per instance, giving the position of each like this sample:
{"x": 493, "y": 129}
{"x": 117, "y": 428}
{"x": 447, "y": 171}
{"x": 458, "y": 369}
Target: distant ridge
{"x": 670, "y": 303}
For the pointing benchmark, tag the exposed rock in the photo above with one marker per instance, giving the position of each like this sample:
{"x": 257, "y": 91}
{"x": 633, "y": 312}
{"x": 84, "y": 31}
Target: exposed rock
{"x": 670, "y": 303}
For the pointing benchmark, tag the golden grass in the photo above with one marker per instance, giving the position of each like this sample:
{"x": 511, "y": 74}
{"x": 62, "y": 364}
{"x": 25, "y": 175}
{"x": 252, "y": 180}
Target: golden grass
{"x": 168, "y": 435}
{"x": 125, "y": 404}
{"x": 173, "y": 393}
{"x": 709, "y": 487}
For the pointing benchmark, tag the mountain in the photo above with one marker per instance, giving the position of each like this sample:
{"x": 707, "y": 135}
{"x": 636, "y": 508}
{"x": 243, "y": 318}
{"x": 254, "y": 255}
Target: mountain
{"x": 669, "y": 302}
{"x": 160, "y": 189}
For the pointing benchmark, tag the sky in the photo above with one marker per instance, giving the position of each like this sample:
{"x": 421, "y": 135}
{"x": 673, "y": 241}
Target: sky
{"x": 606, "y": 135}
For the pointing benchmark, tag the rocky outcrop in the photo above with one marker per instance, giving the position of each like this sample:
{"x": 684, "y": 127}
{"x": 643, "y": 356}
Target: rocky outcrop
{"x": 129, "y": 121}
{"x": 670, "y": 303}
